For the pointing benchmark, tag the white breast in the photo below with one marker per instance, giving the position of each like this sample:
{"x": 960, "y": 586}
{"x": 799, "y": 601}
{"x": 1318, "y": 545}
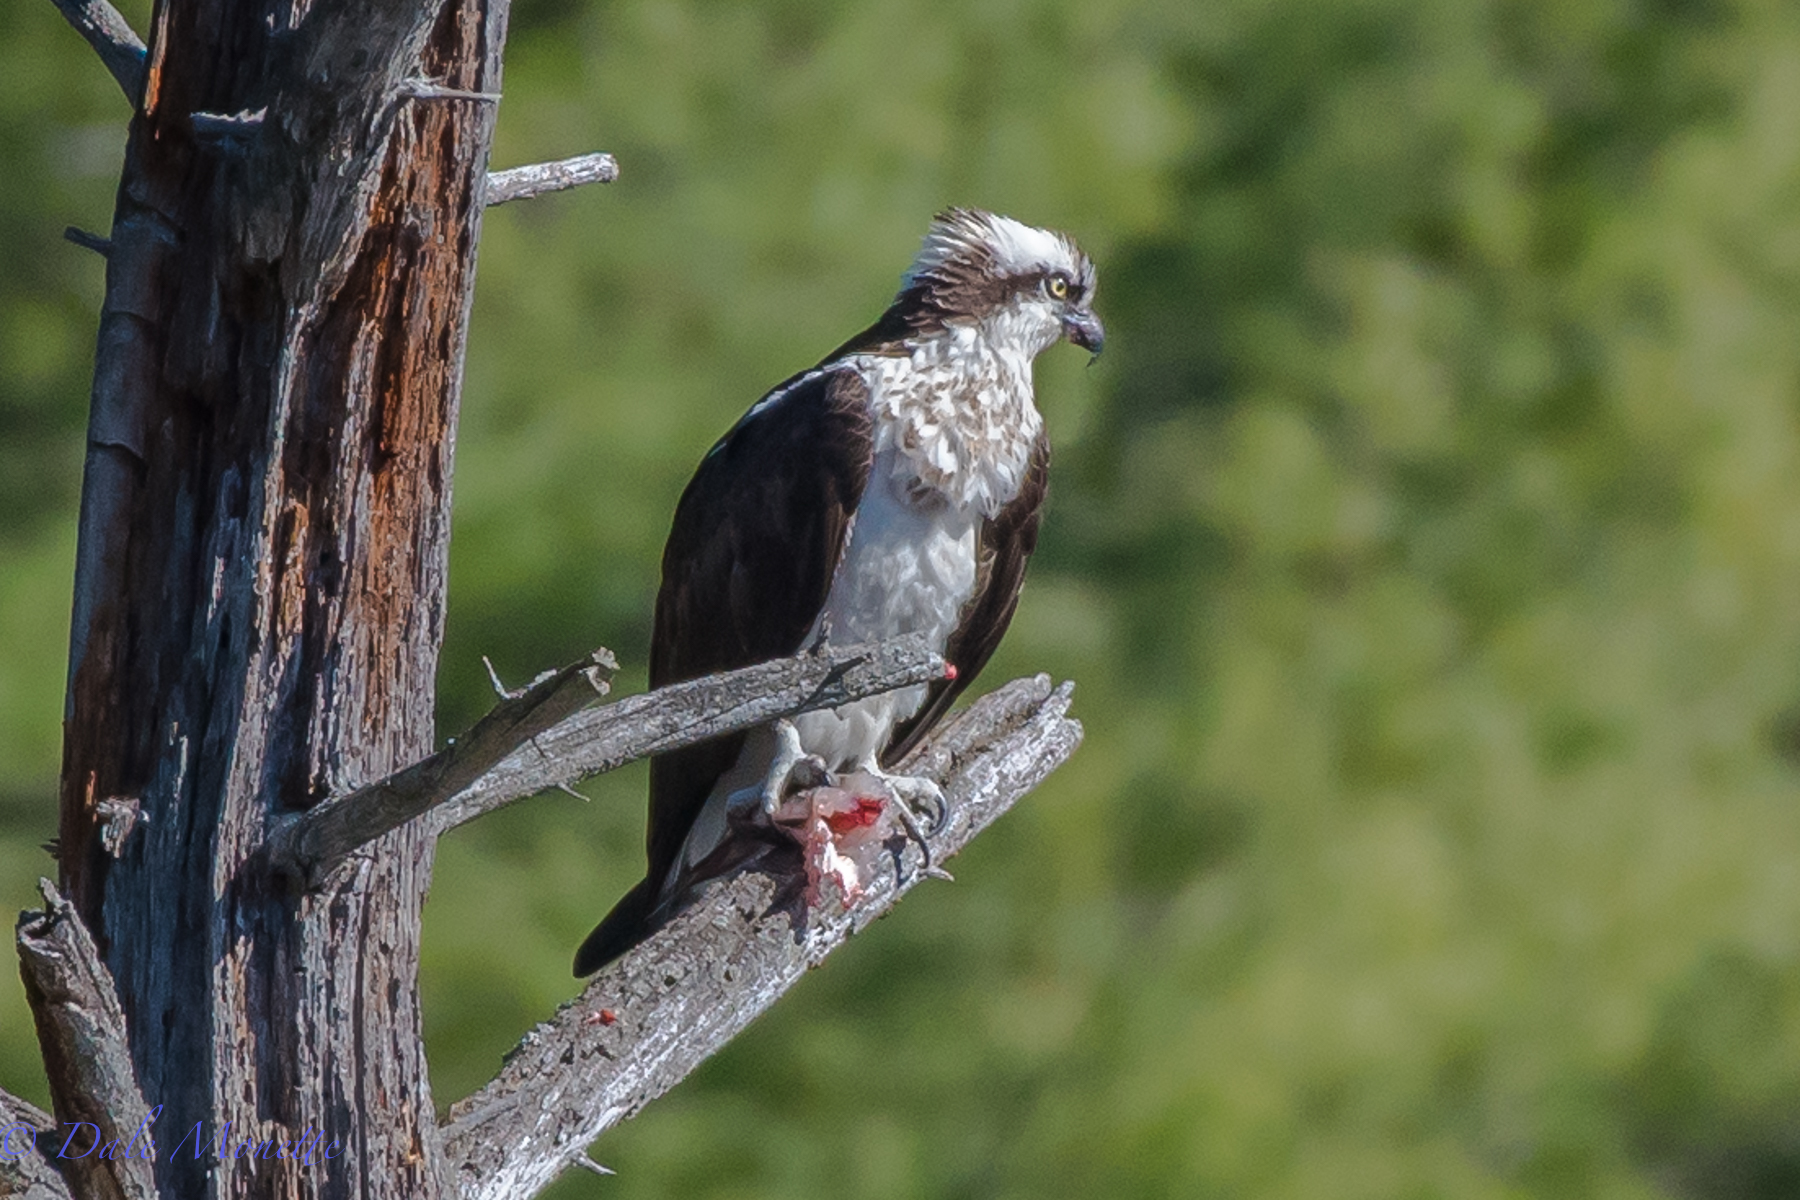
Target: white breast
{"x": 954, "y": 428}
{"x": 909, "y": 567}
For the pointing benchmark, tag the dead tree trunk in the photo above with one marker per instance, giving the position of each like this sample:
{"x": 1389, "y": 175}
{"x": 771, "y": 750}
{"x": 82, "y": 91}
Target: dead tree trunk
{"x": 249, "y": 797}
{"x": 260, "y": 588}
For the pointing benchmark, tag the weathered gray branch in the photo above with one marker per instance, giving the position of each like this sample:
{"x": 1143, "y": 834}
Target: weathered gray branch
{"x": 313, "y": 842}
{"x": 119, "y": 47}
{"x": 522, "y": 183}
{"x": 541, "y": 739}
{"x": 81, "y": 1030}
{"x": 650, "y": 1018}
{"x": 604, "y": 739}
{"x": 26, "y": 1169}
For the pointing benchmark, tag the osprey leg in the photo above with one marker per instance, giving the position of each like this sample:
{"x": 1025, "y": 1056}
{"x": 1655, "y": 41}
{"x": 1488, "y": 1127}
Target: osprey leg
{"x": 790, "y": 768}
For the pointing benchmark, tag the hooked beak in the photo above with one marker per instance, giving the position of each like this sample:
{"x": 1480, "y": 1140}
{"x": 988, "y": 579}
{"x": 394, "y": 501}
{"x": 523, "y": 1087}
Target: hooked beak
{"x": 1084, "y": 329}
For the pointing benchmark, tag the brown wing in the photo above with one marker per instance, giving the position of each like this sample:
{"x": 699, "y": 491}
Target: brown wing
{"x": 756, "y": 540}
{"x": 1006, "y": 543}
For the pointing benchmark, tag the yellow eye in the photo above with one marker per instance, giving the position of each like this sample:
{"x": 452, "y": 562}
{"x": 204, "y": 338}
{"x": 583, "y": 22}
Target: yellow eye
{"x": 1058, "y": 287}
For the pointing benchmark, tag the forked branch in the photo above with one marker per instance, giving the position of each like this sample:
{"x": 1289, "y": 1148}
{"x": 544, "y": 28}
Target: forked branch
{"x": 313, "y": 842}
{"x": 540, "y": 738}
{"x": 650, "y": 1018}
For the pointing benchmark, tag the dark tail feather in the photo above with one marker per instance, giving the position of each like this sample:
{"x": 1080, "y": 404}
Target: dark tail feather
{"x": 624, "y": 927}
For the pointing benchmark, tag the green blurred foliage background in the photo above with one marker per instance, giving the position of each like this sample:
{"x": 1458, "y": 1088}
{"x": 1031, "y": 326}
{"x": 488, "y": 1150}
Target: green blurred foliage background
{"x": 1426, "y": 548}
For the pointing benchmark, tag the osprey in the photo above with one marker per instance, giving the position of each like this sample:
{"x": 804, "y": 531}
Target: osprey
{"x": 894, "y": 488}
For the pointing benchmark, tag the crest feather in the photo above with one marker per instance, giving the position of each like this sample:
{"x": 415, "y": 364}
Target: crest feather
{"x": 969, "y": 241}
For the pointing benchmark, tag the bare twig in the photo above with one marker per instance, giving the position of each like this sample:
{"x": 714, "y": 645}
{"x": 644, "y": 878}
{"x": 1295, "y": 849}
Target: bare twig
{"x": 500, "y": 689}
{"x": 26, "y": 1143}
{"x": 81, "y": 1030}
{"x": 538, "y": 740}
{"x": 688, "y": 990}
{"x": 522, "y": 183}
{"x": 120, "y": 49}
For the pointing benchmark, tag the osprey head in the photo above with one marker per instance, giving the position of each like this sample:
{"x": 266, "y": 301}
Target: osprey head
{"x": 1025, "y": 287}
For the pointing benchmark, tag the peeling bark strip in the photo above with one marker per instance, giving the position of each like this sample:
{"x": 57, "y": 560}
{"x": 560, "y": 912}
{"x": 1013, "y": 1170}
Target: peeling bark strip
{"x": 82, "y": 1032}
{"x": 260, "y": 580}
{"x": 693, "y": 986}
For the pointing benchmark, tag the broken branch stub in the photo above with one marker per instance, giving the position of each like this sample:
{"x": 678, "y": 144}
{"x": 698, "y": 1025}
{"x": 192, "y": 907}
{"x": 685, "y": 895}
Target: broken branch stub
{"x": 522, "y": 183}
{"x": 81, "y": 1029}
